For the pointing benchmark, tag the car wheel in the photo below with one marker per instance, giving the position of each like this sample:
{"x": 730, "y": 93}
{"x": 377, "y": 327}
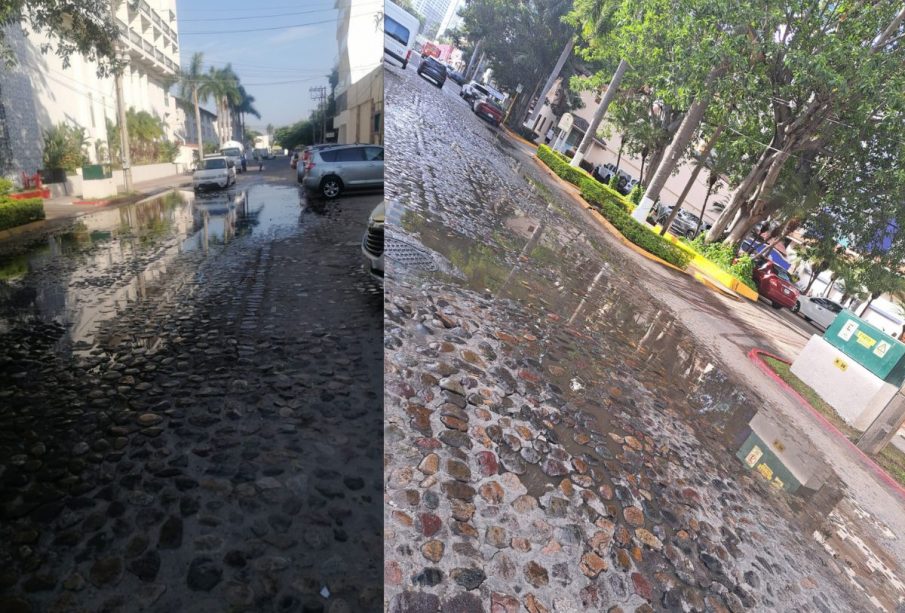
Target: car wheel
{"x": 405, "y": 64}
{"x": 797, "y": 308}
{"x": 775, "y": 305}
{"x": 690, "y": 235}
{"x": 331, "y": 187}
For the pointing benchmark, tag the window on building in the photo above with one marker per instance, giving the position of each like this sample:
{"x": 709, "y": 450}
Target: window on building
{"x": 377, "y": 118}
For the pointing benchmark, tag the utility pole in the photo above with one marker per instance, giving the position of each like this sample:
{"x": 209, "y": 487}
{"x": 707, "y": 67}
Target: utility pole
{"x": 611, "y": 90}
{"x": 319, "y": 94}
{"x": 121, "y": 58}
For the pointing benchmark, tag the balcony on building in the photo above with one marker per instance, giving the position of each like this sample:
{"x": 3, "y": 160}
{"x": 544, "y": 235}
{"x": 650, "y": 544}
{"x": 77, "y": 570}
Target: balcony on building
{"x": 150, "y": 39}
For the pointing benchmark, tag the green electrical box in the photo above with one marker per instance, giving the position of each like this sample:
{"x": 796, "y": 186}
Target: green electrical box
{"x": 756, "y": 454}
{"x": 869, "y": 346}
{"x": 95, "y": 172}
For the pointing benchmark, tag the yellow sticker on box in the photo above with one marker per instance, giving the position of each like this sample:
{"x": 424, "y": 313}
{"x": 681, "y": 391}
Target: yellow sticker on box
{"x": 864, "y": 340}
{"x": 840, "y": 364}
{"x": 765, "y": 470}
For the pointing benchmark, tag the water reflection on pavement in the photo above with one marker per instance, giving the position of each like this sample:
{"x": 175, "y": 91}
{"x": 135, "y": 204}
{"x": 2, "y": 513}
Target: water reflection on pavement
{"x": 190, "y": 392}
{"x": 554, "y": 440}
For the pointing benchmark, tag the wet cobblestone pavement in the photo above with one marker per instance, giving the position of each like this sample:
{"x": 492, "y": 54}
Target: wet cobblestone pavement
{"x": 554, "y": 441}
{"x": 191, "y": 397}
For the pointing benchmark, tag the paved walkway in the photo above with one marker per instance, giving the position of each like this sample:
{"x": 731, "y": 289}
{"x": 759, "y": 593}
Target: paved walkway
{"x": 61, "y": 209}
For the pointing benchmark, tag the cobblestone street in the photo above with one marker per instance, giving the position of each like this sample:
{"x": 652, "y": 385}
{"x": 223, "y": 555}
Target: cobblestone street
{"x": 191, "y": 396}
{"x": 555, "y": 440}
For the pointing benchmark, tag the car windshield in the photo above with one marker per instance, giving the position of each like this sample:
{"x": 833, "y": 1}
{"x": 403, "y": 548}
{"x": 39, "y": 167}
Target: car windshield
{"x": 395, "y": 30}
{"x": 832, "y": 306}
{"x": 782, "y": 274}
{"x": 231, "y": 152}
{"x": 214, "y": 164}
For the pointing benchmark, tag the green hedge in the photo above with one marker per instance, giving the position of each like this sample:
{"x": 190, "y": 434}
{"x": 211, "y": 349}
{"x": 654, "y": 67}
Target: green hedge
{"x": 724, "y": 255}
{"x": 17, "y": 212}
{"x": 615, "y": 208}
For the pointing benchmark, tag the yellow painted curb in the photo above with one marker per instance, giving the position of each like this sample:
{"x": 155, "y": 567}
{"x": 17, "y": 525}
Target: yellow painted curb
{"x": 517, "y": 137}
{"x": 731, "y": 286}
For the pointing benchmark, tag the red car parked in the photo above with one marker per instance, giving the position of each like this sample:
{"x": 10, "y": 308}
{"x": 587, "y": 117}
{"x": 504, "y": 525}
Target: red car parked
{"x": 776, "y": 285}
{"x": 486, "y": 108}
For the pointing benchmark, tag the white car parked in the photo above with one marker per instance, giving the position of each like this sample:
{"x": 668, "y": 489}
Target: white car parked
{"x": 818, "y": 311}
{"x": 214, "y": 172}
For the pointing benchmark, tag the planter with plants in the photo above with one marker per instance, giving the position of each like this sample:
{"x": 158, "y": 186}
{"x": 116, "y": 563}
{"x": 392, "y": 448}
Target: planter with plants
{"x": 17, "y": 211}
{"x": 63, "y": 152}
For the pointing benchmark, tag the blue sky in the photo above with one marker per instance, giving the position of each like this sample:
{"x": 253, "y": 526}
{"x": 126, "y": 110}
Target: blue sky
{"x": 293, "y": 50}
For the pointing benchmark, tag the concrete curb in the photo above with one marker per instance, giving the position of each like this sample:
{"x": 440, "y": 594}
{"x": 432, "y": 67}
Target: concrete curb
{"x": 512, "y": 134}
{"x": 573, "y": 190}
{"x": 44, "y": 224}
{"x": 755, "y": 356}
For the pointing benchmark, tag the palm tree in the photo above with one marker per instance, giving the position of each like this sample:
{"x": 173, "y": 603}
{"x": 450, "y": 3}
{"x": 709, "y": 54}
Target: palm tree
{"x": 192, "y": 81}
{"x": 223, "y": 85}
{"x": 246, "y": 107}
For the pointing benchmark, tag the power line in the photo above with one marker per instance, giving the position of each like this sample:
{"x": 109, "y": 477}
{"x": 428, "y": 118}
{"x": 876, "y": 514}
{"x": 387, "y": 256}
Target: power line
{"x": 247, "y": 17}
{"x": 271, "y": 29}
{"x": 240, "y": 10}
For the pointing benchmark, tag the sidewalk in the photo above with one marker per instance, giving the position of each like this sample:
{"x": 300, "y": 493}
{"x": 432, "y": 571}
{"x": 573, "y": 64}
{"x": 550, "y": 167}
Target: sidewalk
{"x": 59, "y": 210}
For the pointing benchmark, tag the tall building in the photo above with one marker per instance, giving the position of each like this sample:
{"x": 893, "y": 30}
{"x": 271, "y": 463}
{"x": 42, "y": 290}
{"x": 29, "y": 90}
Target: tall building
{"x": 434, "y": 12}
{"x": 40, "y": 92}
{"x": 359, "y": 93}
{"x": 451, "y": 20}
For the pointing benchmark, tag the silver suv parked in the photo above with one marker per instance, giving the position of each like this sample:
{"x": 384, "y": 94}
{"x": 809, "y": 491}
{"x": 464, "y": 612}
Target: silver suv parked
{"x": 329, "y": 172}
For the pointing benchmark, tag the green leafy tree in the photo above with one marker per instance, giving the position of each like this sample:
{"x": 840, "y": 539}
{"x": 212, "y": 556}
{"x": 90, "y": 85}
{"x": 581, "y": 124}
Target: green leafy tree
{"x": 522, "y": 40}
{"x": 192, "y": 83}
{"x": 64, "y": 147}
{"x": 84, "y": 28}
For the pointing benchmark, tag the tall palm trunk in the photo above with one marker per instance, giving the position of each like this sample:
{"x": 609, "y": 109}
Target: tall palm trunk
{"x": 198, "y": 132}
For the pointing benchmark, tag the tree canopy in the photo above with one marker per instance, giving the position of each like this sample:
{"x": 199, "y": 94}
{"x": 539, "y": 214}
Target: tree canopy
{"x": 85, "y": 28}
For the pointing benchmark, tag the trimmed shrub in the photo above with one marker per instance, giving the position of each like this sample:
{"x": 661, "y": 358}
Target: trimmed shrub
{"x": 17, "y": 212}
{"x": 723, "y": 255}
{"x": 634, "y": 196}
{"x": 559, "y": 164}
{"x": 615, "y": 208}
{"x": 6, "y": 186}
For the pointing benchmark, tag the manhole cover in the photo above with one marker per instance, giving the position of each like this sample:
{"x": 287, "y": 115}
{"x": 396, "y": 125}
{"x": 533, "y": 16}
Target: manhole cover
{"x": 408, "y": 255}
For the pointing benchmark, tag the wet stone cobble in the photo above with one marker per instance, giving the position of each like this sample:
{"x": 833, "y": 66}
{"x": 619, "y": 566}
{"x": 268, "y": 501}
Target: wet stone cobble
{"x": 555, "y": 441}
{"x": 215, "y": 447}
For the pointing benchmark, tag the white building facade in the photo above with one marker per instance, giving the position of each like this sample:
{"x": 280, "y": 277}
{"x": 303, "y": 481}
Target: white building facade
{"x": 40, "y": 92}
{"x": 359, "y": 93}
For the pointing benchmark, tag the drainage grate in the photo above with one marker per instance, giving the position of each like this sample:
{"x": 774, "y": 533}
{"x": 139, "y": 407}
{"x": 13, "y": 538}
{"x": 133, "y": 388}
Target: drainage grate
{"x": 408, "y": 255}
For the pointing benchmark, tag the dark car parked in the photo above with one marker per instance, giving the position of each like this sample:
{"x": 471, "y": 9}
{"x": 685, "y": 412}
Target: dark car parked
{"x": 685, "y": 224}
{"x": 432, "y": 69}
{"x": 456, "y": 77}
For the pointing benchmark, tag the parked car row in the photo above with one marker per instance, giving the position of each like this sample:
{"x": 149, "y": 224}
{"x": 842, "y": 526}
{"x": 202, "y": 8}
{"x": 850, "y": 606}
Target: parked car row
{"x": 329, "y": 170}
{"x": 685, "y": 224}
{"x": 625, "y": 182}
